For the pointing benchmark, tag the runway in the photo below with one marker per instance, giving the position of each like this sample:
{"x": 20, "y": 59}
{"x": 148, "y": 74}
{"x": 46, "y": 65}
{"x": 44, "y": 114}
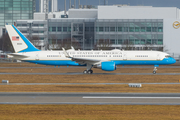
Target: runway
{"x": 91, "y": 98}
{"x": 88, "y": 74}
{"x": 87, "y": 83}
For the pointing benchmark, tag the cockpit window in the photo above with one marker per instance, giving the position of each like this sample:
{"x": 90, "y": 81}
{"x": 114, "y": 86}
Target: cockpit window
{"x": 167, "y": 56}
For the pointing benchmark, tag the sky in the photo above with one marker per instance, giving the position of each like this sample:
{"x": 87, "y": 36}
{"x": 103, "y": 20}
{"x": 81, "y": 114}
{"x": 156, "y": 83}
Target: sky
{"x": 154, "y": 3}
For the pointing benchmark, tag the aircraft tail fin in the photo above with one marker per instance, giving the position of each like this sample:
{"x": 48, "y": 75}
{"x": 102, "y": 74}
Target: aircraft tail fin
{"x": 19, "y": 41}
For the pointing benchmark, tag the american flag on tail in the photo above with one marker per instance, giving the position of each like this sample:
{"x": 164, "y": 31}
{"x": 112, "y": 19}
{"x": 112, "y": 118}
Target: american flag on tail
{"x": 15, "y": 38}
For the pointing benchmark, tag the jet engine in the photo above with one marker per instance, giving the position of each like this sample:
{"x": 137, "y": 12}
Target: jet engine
{"x": 106, "y": 66}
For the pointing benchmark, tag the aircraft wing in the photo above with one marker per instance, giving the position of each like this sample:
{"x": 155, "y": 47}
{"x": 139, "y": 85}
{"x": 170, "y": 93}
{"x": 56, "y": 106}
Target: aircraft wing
{"x": 82, "y": 61}
{"x": 85, "y": 61}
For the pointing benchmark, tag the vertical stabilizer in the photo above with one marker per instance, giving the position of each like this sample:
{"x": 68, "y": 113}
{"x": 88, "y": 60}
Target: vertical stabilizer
{"x": 20, "y": 42}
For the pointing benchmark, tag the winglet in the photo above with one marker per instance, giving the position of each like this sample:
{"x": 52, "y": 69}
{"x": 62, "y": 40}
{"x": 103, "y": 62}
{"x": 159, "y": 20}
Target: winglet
{"x": 65, "y": 53}
{"x": 72, "y": 48}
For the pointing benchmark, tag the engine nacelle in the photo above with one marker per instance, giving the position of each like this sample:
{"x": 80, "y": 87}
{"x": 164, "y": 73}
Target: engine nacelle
{"x": 107, "y": 66}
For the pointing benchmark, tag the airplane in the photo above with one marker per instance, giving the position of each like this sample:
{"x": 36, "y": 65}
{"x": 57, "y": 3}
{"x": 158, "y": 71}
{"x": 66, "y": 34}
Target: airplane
{"x": 105, "y": 60}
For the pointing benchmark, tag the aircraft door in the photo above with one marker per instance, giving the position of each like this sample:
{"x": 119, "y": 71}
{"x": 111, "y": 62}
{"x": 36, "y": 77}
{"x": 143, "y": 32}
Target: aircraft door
{"x": 124, "y": 56}
{"x": 37, "y": 56}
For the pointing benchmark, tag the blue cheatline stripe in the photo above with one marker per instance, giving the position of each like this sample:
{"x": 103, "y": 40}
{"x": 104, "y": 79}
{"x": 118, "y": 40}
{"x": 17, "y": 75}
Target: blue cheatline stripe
{"x": 55, "y": 62}
{"x": 29, "y": 44}
{"x": 165, "y": 61}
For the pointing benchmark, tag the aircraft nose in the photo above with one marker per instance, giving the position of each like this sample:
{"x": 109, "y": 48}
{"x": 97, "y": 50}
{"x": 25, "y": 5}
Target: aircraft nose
{"x": 172, "y": 60}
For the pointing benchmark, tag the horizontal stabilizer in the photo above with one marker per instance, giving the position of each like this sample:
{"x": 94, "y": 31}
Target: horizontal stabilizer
{"x": 17, "y": 55}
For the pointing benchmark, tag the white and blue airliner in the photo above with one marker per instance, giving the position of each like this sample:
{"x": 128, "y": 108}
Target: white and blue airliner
{"x": 105, "y": 60}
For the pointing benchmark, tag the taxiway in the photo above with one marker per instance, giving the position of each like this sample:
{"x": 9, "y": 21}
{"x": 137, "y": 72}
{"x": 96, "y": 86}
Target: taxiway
{"x": 91, "y": 98}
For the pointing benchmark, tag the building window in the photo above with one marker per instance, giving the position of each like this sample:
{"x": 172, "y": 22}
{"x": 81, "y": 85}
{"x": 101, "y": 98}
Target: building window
{"x": 106, "y": 29}
{"x": 59, "y": 41}
{"x": 36, "y": 25}
{"x": 120, "y": 41}
{"x": 154, "y": 42}
{"x": 125, "y": 29}
{"x": 86, "y": 29}
{"x": 35, "y": 32}
{"x": 112, "y": 29}
{"x": 101, "y": 29}
{"x": 69, "y": 29}
{"x": 92, "y": 29}
{"x": 131, "y": 41}
{"x": 18, "y": 25}
{"x": 50, "y": 29}
{"x": 137, "y": 29}
{"x": 24, "y": 24}
{"x": 137, "y": 42}
{"x": 142, "y": 41}
{"x": 148, "y": 41}
{"x": 53, "y": 41}
{"x": 24, "y": 31}
{"x": 64, "y": 29}
{"x": 143, "y": 29}
{"x": 131, "y": 29}
{"x": 160, "y": 42}
{"x": 112, "y": 41}
{"x": 154, "y": 29}
{"x": 59, "y": 29}
{"x": 160, "y": 29}
{"x": 148, "y": 29}
{"x": 53, "y": 29}
{"x": 97, "y": 29}
{"x": 120, "y": 29}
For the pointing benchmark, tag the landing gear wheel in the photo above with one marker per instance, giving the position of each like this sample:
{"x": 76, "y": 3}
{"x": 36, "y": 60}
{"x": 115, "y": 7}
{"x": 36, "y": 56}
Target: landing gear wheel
{"x": 85, "y": 71}
{"x": 89, "y": 71}
{"x": 154, "y": 71}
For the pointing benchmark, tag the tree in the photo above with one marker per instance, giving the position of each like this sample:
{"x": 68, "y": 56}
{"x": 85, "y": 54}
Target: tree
{"x": 5, "y": 43}
{"x": 35, "y": 40}
{"x": 52, "y": 43}
{"x": 163, "y": 49}
{"x": 75, "y": 43}
{"x": 103, "y": 44}
{"x": 127, "y": 45}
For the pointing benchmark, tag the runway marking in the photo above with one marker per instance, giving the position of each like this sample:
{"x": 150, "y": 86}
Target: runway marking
{"x": 89, "y": 97}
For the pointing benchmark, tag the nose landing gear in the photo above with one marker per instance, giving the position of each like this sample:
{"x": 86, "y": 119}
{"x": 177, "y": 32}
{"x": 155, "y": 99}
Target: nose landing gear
{"x": 155, "y": 69}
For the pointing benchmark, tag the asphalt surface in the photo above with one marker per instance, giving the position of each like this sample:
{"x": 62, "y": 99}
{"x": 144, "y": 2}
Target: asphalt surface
{"x": 88, "y": 74}
{"x": 91, "y": 98}
{"x": 87, "y": 83}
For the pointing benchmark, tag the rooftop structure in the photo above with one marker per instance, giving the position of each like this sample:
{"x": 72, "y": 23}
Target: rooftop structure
{"x": 135, "y": 27}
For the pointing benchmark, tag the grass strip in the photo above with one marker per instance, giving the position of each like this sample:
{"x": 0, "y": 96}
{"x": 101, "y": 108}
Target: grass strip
{"x": 91, "y": 88}
{"x": 89, "y": 112}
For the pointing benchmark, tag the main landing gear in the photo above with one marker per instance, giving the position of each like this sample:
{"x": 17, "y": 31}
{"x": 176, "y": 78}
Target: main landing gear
{"x": 155, "y": 69}
{"x": 88, "y": 71}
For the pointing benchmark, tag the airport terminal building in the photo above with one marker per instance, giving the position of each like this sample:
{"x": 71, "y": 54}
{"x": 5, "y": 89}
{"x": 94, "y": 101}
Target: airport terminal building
{"x": 135, "y": 27}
